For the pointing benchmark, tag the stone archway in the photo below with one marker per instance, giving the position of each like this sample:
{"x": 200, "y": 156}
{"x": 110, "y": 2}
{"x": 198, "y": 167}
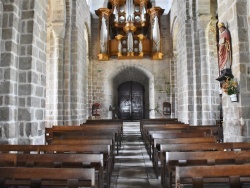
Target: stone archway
{"x": 137, "y": 74}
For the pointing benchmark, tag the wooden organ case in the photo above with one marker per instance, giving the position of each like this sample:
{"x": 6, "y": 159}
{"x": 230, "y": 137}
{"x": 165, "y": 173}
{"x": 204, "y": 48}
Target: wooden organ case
{"x": 131, "y": 29}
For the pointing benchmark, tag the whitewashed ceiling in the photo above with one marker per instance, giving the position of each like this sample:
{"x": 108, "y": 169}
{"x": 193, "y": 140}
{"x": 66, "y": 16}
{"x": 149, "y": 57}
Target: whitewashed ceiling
{"x": 96, "y": 4}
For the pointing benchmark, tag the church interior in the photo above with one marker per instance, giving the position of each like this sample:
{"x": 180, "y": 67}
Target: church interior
{"x": 125, "y": 85}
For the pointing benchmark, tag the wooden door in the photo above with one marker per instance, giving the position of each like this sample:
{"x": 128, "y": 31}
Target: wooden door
{"x": 131, "y": 101}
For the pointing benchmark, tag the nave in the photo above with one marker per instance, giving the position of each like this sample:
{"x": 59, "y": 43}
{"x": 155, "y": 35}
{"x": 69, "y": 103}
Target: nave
{"x": 133, "y": 168}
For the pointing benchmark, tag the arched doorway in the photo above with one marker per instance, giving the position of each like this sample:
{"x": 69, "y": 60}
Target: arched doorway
{"x": 131, "y": 101}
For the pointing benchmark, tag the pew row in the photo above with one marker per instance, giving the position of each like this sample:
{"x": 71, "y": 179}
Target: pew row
{"x": 194, "y": 158}
{"x": 46, "y": 177}
{"x": 237, "y": 176}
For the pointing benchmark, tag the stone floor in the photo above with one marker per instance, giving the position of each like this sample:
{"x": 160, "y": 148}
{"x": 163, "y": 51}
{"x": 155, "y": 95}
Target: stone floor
{"x": 133, "y": 169}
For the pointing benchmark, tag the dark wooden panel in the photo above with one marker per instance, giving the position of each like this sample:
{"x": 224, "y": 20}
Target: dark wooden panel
{"x": 131, "y": 100}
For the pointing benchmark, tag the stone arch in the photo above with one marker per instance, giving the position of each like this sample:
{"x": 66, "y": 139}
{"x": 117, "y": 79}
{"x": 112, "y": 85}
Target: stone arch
{"x": 174, "y": 32}
{"x": 87, "y": 38}
{"x": 136, "y": 73}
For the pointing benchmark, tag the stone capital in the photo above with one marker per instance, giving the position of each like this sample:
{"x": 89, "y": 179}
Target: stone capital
{"x": 58, "y": 29}
{"x": 203, "y": 21}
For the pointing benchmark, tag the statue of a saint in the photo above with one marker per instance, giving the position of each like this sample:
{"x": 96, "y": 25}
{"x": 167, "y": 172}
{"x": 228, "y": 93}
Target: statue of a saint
{"x": 224, "y": 52}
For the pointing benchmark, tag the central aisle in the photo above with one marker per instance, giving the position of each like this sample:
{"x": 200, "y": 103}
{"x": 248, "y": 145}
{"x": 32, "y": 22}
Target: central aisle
{"x": 133, "y": 169}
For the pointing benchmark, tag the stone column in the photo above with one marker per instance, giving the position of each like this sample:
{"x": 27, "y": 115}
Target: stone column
{"x": 173, "y": 89}
{"x": 55, "y": 65}
{"x": 23, "y": 63}
{"x": 207, "y": 116}
{"x": 9, "y": 66}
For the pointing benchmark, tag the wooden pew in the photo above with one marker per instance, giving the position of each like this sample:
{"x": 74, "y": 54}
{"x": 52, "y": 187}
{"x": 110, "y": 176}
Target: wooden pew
{"x": 200, "y": 140}
{"x": 215, "y": 130}
{"x": 157, "y": 121}
{"x": 37, "y": 177}
{"x": 50, "y": 133}
{"x": 197, "y": 175}
{"x": 72, "y": 149}
{"x": 98, "y": 121}
{"x": 57, "y": 161}
{"x": 174, "y": 159}
{"x": 147, "y": 128}
{"x": 62, "y": 131}
{"x": 170, "y": 135}
{"x": 229, "y": 146}
{"x": 105, "y": 123}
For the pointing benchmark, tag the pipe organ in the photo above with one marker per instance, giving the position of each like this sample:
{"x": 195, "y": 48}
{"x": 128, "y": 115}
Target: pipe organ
{"x": 131, "y": 29}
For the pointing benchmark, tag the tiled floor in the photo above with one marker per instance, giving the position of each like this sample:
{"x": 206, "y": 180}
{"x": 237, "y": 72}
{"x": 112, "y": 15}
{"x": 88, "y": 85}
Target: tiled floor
{"x": 133, "y": 169}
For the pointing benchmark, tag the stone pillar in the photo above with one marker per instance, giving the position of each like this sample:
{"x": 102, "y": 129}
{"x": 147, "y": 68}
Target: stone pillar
{"x": 9, "y": 120}
{"x": 23, "y": 64}
{"x": 55, "y": 65}
{"x": 207, "y": 116}
{"x": 173, "y": 89}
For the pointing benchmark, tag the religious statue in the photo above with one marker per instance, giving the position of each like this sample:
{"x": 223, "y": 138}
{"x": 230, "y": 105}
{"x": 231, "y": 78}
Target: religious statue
{"x": 224, "y": 53}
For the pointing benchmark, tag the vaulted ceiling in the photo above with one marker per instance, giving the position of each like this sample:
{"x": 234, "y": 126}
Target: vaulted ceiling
{"x": 96, "y": 4}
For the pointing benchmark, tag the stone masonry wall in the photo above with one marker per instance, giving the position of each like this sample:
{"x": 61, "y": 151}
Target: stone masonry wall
{"x": 197, "y": 94}
{"x": 22, "y": 87}
{"x": 68, "y": 63}
{"x": 236, "y": 122}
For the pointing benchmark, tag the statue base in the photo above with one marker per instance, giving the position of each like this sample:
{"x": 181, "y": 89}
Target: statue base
{"x": 224, "y": 74}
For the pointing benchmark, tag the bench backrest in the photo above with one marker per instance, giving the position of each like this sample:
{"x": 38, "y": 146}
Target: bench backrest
{"x": 197, "y": 173}
{"x": 211, "y": 157}
{"x": 71, "y": 176}
{"x": 55, "y": 149}
{"x": 205, "y": 146}
{"x": 185, "y": 140}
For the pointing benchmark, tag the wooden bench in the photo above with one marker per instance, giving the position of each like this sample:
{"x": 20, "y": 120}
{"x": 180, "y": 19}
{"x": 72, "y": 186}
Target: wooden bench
{"x": 197, "y": 175}
{"x": 229, "y": 146}
{"x": 57, "y": 161}
{"x": 158, "y": 142}
{"x": 212, "y": 130}
{"x": 174, "y": 159}
{"x": 37, "y": 177}
{"x": 170, "y": 135}
{"x": 72, "y": 149}
{"x": 147, "y": 128}
{"x": 62, "y": 132}
{"x": 105, "y": 123}
{"x": 157, "y": 121}
{"x": 50, "y": 133}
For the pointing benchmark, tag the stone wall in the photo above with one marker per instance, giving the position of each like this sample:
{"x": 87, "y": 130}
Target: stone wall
{"x": 196, "y": 90}
{"x": 236, "y": 122}
{"x": 67, "y": 63}
{"x": 22, "y": 87}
